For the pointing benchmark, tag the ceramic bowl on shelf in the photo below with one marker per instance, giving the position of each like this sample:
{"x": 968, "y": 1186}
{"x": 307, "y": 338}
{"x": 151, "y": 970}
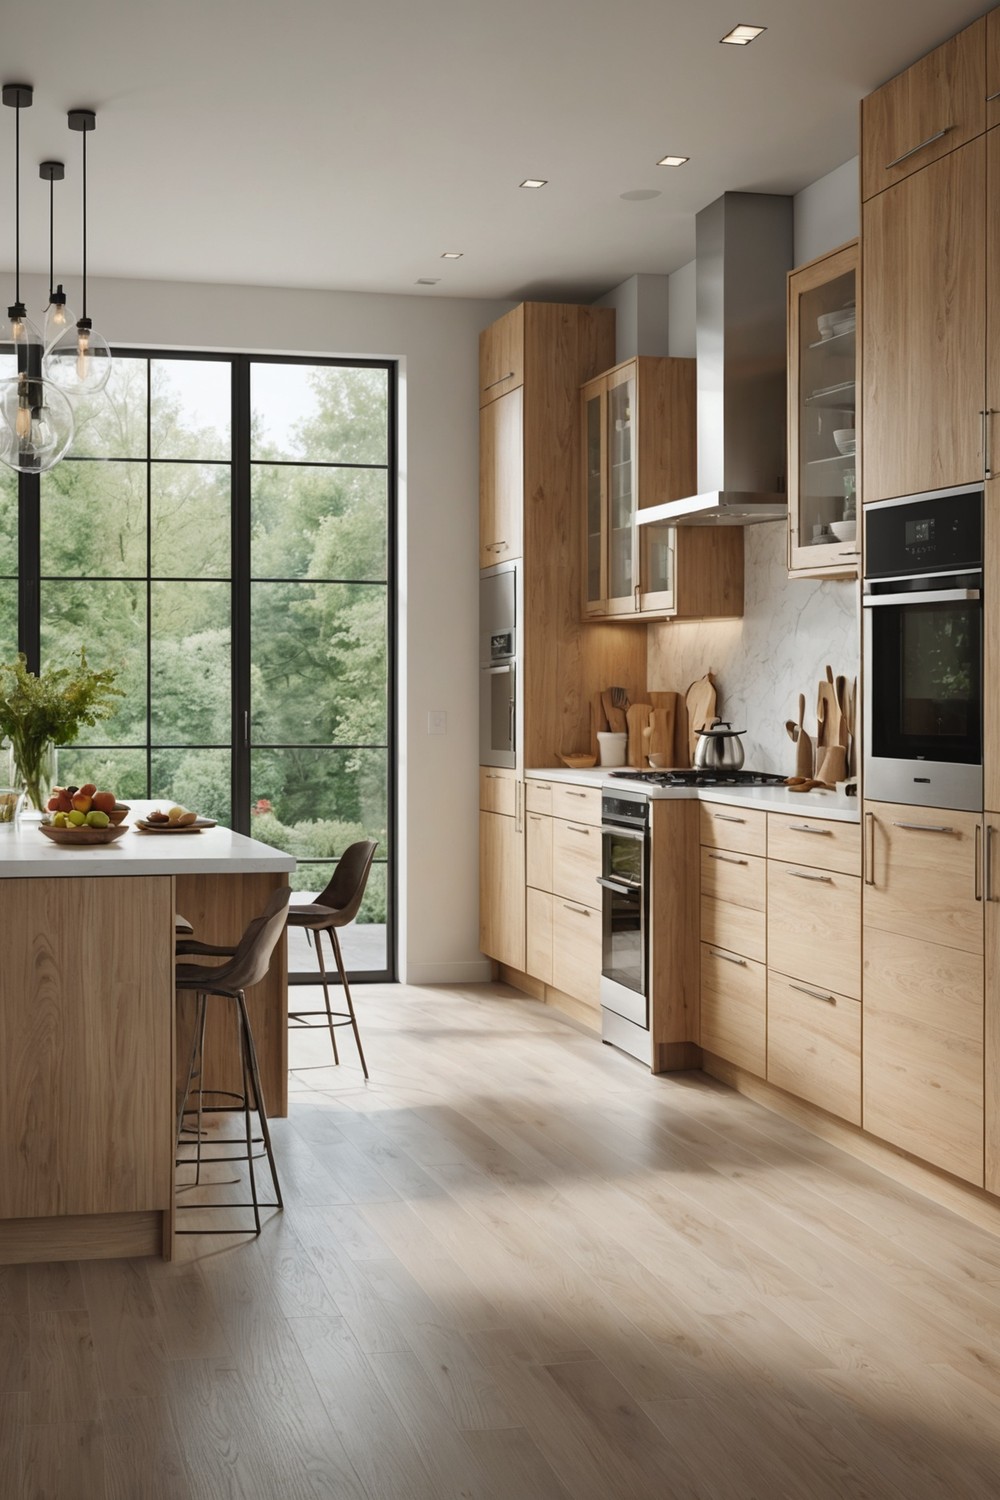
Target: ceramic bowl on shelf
{"x": 844, "y": 531}
{"x": 846, "y": 440}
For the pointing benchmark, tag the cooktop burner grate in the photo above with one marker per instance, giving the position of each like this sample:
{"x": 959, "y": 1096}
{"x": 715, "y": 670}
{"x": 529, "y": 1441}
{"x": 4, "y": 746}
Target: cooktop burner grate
{"x": 704, "y": 778}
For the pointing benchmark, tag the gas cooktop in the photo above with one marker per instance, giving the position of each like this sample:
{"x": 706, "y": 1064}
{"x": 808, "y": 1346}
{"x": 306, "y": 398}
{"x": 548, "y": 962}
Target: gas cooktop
{"x": 703, "y": 778}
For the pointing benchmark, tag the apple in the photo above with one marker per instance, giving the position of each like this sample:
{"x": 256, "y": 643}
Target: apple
{"x": 81, "y": 802}
{"x": 76, "y": 818}
{"x": 64, "y": 802}
{"x": 104, "y": 801}
{"x": 97, "y": 819}
{"x": 53, "y": 803}
{"x": 88, "y": 789}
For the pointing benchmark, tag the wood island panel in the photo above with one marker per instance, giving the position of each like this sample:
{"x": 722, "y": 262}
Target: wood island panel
{"x": 220, "y": 907}
{"x": 86, "y": 1035}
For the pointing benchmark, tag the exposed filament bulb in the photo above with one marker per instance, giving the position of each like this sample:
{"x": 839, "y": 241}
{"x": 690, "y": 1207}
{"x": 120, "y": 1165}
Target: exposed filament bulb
{"x": 82, "y": 353}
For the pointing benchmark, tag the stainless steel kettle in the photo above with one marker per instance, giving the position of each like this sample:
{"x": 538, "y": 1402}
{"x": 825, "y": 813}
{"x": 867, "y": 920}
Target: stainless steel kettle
{"x": 718, "y": 748}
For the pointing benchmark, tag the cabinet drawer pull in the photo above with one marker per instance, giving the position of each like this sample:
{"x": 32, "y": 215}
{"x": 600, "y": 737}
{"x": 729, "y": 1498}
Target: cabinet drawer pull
{"x": 491, "y": 776}
{"x": 729, "y": 958}
{"x": 806, "y": 875}
{"x": 510, "y": 373}
{"x": 583, "y": 911}
{"x": 851, "y": 552}
{"x": 869, "y": 848}
{"x": 989, "y": 863}
{"x": 578, "y": 828}
{"x": 937, "y": 136}
{"x": 990, "y": 97}
{"x": 727, "y": 859}
{"x": 535, "y": 817}
{"x": 925, "y": 827}
{"x": 728, "y": 818}
{"x": 576, "y": 794}
{"x": 806, "y": 828}
{"x": 977, "y": 880}
{"x": 543, "y": 786}
{"x": 804, "y": 989}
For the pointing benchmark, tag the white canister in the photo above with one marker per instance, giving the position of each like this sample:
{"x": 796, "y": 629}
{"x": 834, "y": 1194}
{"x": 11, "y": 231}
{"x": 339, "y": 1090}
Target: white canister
{"x": 611, "y": 748}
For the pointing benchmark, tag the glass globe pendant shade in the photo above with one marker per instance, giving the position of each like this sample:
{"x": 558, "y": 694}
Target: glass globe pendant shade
{"x": 37, "y": 424}
{"x": 79, "y": 362}
{"x": 58, "y": 318}
{"x": 20, "y": 343}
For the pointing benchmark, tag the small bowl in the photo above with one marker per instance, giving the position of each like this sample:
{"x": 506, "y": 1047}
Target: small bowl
{"x": 578, "y": 762}
{"x": 119, "y": 813}
{"x": 844, "y": 531}
{"x": 826, "y": 323}
{"x": 82, "y": 836}
{"x": 846, "y": 440}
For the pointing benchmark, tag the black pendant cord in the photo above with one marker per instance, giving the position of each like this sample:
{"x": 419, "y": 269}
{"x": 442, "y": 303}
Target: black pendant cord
{"x": 52, "y": 250}
{"x": 17, "y": 205}
{"x": 84, "y": 226}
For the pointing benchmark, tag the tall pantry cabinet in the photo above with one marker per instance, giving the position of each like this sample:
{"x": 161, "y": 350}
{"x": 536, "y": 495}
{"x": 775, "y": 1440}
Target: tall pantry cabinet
{"x": 532, "y": 362}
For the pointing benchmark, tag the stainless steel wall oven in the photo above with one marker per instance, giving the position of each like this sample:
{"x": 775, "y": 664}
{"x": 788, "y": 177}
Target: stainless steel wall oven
{"x": 498, "y": 607}
{"x": 923, "y": 650}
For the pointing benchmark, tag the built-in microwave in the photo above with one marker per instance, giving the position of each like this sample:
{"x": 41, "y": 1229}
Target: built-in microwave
{"x": 498, "y": 604}
{"x": 923, "y": 649}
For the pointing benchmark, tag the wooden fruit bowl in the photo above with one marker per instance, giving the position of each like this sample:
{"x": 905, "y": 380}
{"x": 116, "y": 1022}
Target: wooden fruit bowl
{"x": 83, "y": 835}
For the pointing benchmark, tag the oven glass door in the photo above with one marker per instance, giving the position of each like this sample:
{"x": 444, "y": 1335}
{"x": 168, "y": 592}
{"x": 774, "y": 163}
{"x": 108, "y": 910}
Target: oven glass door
{"x": 497, "y": 715}
{"x": 926, "y": 687}
{"x": 624, "y": 911}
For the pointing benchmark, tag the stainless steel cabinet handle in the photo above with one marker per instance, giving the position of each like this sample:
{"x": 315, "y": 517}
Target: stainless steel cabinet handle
{"x": 622, "y": 887}
{"x": 510, "y": 373}
{"x": 727, "y": 859}
{"x": 851, "y": 552}
{"x": 583, "y": 911}
{"x": 518, "y": 806}
{"x": 728, "y": 957}
{"x": 578, "y": 828}
{"x": 870, "y": 848}
{"x": 576, "y": 794}
{"x": 805, "y": 875}
{"x": 987, "y": 461}
{"x": 930, "y": 596}
{"x": 989, "y": 863}
{"x": 491, "y": 775}
{"x": 990, "y": 97}
{"x": 806, "y": 828}
{"x": 535, "y": 817}
{"x": 937, "y": 136}
{"x": 728, "y": 818}
{"x": 804, "y": 989}
{"x": 544, "y": 786}
{"x": 977, "y": 884}
{"x": 925, "y": 827}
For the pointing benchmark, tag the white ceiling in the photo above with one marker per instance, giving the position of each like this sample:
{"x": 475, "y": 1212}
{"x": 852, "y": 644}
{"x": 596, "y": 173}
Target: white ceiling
{"x": 316, "y": 144}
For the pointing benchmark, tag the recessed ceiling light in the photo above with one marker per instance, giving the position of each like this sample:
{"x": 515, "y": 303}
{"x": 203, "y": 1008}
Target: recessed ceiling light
{"x": 742, "y": 35}
{"x": 534, "y": 182}
{"x": 452, "y": 254}
{"x": 672, "y": 161}
{"x": 427, "y": 281}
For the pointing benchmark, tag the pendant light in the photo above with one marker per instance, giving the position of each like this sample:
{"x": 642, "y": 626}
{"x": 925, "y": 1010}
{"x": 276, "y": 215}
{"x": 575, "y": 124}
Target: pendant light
{"x": 57, "y": 315}
{"x": 36, "y": 419}
{"x": 79, "y": 361}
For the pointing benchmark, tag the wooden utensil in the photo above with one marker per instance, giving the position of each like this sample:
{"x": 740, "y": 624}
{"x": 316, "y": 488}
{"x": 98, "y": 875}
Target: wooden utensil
{"x": 637, "y": 718}
{"x": 804, "y": 754}
{"x": 613, "y": 714}
{"x": 700, "y": 700}
{"x": 598, "y": 723}
{"x": 832, "y": 766}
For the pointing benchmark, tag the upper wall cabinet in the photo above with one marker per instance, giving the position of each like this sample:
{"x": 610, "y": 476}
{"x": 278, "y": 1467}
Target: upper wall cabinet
{"x": 501, "y": 356}
{"x": 501, "y": 478}
{"x": 823, "y": 374}
{"x": 638, "y": 449}
{"x": 930, "y": 110}
{"x": 924, "y": 308}
{"x": 993, "y": 69}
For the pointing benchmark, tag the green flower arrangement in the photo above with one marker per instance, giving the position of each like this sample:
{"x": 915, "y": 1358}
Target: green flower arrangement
{"x": 50, "y": 709}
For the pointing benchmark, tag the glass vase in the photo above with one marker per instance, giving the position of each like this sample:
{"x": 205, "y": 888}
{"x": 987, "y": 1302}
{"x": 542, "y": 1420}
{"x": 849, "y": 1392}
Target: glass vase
{"x": 33, "y": 766}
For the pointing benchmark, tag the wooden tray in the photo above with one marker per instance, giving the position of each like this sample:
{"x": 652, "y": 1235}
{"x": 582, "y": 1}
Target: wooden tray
{"x": 141, "y": 826}
{"x": 83, "y": 835}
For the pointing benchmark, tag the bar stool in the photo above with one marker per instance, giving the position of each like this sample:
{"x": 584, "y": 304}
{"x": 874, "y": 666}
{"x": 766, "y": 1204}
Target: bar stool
{"x": 334, "y": 907}
{"x": 249, "y": 963}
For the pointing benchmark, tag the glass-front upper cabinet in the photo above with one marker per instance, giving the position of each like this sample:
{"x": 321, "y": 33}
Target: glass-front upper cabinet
{"x": 823, "y": 373}
{"x": 622, "y": 491}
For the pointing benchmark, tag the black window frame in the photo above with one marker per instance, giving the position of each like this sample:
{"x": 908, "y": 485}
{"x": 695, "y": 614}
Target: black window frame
{"x": 30, "y": 580}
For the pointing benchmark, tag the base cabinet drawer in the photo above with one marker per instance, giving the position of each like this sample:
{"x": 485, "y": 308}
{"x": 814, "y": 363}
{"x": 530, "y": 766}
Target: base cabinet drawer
{"x": 538, "y": 850}
{"x": 814, "y": 927}
{"x": 812, "y": 841}
{"x": 814, "y": 1045}
{"x": 497, "y": 791}
{"x": 738, "y": 929}
{"x": 741, "y": 828}
{"x": 538, "y": 935}
{"x": 576, "y": 861}
{"x": 734, "y": 1008}
{"x": 582, "y": 804}
{"x": 537, "y": 795}
{"x": 576, "y": 950}
{"x": 737, "y": 879}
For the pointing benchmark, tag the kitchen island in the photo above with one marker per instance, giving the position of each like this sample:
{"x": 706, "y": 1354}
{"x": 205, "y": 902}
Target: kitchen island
{"x": 88, "y": 1035}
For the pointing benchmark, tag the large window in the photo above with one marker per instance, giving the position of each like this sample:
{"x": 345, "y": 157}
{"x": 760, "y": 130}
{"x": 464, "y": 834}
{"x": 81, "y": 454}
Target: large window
{"x": 222, "y": 532}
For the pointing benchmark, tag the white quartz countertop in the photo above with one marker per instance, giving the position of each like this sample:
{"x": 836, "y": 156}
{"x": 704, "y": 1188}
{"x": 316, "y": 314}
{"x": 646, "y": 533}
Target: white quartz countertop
{"x": 214, "y": 851}
{"x": 816, "y": 804}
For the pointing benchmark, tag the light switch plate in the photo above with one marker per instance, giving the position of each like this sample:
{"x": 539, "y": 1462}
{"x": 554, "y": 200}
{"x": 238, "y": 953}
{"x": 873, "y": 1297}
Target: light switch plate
{"x": 437, "y": 721}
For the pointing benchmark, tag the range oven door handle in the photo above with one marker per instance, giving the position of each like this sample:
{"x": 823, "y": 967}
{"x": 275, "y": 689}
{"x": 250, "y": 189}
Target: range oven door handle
{"x": 620, "y": 887}
{"x": 932, "y": 596}
{"x": 637, "y": 835}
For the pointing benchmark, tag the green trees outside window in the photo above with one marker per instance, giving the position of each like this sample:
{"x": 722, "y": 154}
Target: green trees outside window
{"x": 221, "y": 533}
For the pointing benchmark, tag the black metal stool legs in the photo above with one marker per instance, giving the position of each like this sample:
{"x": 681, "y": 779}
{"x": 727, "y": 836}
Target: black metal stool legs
{"x": 347, "y": 995}
{"x": 326, "y": 996}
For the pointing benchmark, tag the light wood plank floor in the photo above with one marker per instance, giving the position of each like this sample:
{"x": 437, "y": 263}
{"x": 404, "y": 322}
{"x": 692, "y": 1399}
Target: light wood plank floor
{"x": 516, "y": 1267}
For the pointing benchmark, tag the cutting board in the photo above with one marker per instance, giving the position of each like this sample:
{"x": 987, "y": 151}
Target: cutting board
{"x": 663, "y": 741}
{"x": 637, "y": 717}
{"x": 700, "y": 702}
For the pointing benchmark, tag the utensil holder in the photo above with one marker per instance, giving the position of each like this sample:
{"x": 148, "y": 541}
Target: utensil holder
{"x": 611, "y": 748}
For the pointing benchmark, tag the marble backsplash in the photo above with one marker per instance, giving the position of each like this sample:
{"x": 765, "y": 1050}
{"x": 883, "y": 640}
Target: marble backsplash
{"x": 789, "y": 632}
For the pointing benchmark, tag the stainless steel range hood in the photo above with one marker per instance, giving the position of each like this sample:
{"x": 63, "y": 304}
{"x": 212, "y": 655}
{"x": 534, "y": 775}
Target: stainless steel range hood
{"x": 744, "y": 249}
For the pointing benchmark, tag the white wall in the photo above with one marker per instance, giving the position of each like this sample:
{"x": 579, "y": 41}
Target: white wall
{"x": 827, "y": 212}
{"x": 642, "y": 312}
{"x": 436, "y": 340}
